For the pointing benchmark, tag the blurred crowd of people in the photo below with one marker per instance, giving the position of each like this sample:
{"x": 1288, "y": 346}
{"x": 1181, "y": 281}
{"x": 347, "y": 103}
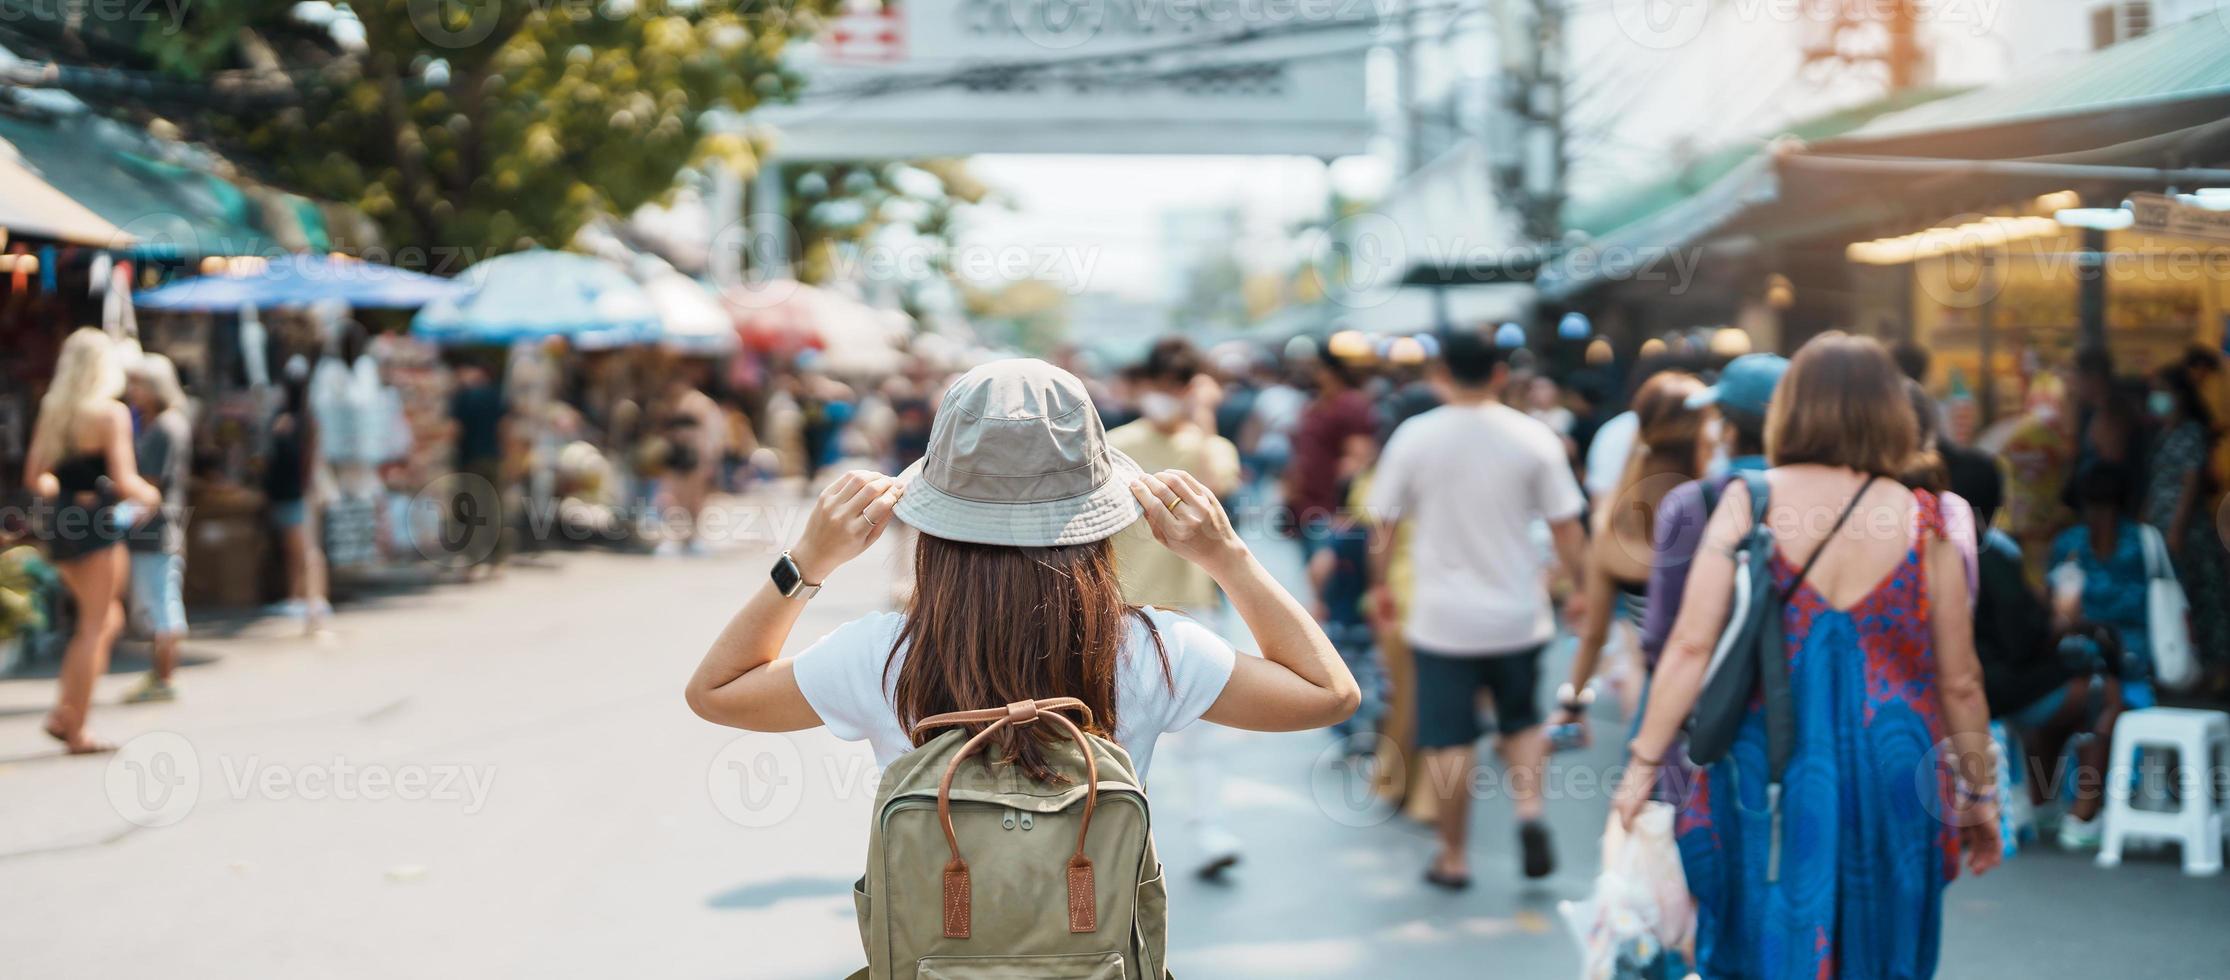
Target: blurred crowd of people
{"x": 1330, "y": 448}
{"x": 1441, "y": 490}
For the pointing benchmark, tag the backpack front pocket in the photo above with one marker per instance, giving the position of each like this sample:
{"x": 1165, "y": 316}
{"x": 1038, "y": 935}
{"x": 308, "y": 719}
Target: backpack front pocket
{"x": 1066, "y": 966}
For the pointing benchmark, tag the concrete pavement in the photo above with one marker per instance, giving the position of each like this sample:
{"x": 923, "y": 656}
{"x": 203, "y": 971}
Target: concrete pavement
{"x": 501, "y": 780}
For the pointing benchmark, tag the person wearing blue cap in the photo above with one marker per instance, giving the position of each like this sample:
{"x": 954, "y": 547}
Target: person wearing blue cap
{"x": 1735, "y": 438}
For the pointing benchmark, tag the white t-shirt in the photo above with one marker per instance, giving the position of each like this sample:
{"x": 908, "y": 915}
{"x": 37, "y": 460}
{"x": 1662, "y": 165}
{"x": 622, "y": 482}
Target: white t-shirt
{"x": 1606, "y": 456}
{"x": 1473, "y": 479}
{"x": 843, "y": 678}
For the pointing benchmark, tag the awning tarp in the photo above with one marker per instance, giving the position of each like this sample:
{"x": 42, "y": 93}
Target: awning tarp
{"x": 31, "y": 206}
{"x": 539, "y": 294}
{"x": 115, "y": 171}
{"x": 784, "y": 315}
{"x": 302, "y": 280}
{"x": 693, "y": 320}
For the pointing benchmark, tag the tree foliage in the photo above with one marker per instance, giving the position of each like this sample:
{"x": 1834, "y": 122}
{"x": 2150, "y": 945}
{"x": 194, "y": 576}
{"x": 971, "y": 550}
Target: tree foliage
{"x": 478, "y": 125}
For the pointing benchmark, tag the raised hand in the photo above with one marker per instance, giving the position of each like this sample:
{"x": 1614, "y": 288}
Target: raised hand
{"x": 1187, "y": 519}
{"x": 847, "y": 518}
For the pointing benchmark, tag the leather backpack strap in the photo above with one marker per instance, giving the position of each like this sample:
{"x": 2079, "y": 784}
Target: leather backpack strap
{"x": 1083, "y": 899}
{"x": 983, "y": 716}
{"x": 956, "y": 893}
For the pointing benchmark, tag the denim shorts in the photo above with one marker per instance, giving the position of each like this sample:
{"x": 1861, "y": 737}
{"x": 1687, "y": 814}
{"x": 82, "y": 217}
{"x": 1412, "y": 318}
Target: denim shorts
{"x": 159, "y": 591}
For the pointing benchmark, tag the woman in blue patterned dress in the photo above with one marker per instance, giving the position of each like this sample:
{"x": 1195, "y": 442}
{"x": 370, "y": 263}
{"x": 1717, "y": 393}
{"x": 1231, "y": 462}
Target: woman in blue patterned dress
{"x": 1892, "y": 730}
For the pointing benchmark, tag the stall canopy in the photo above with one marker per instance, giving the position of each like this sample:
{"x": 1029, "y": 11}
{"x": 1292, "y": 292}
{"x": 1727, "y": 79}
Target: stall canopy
{"x": 538, "y": 294}
{"x": 302, "y": 280}
{"x": 32, "y": 206}
{"x": 166, "y": 208}
{"x": 2102, "y": 125}
{"x": 693, "y": 320}
{"x": 786, "y": 316}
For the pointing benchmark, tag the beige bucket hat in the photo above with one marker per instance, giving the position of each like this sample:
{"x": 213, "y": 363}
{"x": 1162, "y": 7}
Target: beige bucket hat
{"x": 1018, "y": 457}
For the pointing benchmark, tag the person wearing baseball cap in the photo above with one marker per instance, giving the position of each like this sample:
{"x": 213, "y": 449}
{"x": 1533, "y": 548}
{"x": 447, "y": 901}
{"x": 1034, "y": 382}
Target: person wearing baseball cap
{"x": 1745, "y": 390}
{"x": 1734, "y": 438}
{"x": 1016, "y": 595}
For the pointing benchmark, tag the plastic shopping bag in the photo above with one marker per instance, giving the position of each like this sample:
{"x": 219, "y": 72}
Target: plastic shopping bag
{"x": 1641, "y": 909}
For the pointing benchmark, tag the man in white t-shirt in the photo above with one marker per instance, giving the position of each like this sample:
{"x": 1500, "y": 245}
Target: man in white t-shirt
{"x": 1473, "y": 476}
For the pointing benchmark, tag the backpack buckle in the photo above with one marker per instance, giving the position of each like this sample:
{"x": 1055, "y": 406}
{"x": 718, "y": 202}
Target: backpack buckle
{"x": 1021, "y": 713}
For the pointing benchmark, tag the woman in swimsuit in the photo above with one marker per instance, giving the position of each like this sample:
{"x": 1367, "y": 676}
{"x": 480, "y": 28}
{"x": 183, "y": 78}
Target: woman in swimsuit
{"x": 81, "y": 464}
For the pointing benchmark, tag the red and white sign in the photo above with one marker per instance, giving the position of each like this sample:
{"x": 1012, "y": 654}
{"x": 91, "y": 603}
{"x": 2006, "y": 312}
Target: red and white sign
{"x": 876, "y": 37}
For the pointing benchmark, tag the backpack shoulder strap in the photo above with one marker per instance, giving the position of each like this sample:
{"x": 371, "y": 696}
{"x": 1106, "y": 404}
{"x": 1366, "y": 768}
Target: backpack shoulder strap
{"x": 1761, "y": 495}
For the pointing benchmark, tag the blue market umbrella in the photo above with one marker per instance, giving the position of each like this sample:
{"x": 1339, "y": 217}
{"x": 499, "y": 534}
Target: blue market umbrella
{"x": 303, "y": 280}
{"x": 540, "y": 293}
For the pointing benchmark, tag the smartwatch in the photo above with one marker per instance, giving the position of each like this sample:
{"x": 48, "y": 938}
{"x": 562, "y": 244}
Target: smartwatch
{"x": 790, "y": 581}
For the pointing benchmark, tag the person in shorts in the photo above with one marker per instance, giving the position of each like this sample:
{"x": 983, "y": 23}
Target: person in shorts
{"x": 1474, "y": 476}
{"x": 157, "y": 546}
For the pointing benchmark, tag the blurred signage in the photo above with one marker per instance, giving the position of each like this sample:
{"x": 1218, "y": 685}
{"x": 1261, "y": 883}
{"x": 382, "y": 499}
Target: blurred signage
{"x": 2160, "y": 214}
{"x": 955, "y": 77}
{"x": 871, "y": 37}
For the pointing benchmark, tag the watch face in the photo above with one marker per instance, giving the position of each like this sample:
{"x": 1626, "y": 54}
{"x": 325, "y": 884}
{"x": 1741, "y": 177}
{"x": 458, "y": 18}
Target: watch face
{"x": 787, "y": 578}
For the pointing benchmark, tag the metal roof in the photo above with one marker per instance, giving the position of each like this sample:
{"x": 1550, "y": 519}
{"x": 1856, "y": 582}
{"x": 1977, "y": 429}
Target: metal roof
{"x": 2180, "y": 62}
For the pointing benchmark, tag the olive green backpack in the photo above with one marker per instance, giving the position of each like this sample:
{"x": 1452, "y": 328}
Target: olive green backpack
{"x": 975, "y": 871}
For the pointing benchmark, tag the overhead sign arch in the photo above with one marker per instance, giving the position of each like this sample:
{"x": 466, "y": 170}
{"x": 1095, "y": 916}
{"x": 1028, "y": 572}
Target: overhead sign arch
{"x": 957, "y": 77}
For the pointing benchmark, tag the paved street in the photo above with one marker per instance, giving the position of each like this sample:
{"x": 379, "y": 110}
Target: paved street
{"x": 501, "y": 780}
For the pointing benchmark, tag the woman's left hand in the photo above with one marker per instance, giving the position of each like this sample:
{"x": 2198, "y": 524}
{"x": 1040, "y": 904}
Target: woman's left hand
{"x": 1187, "y": 519}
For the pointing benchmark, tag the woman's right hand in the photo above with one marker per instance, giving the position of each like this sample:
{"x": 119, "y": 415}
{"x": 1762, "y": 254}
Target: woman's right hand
{"x": 847, "y": 518}
{"x": 1979, "y": 841}
{"x": 1188, "y": 520}
{"x": 1634, "y": 789}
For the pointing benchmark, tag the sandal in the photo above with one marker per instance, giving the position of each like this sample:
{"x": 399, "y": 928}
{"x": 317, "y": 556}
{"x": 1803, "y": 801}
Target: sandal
{"x": 1454, "y": 883}
{"x": 88, "y": 746}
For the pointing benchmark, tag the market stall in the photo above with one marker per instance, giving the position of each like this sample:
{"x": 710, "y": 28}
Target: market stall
{"x": 784, "y": 318}
{"x": 248, "y": 313}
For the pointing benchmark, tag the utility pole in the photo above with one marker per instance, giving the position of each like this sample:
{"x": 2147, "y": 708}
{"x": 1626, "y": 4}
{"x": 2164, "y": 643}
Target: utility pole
{"x": 1405, "y": 84}
{"x": 1532, "y": 100}
{"x": 1845, "y": 35}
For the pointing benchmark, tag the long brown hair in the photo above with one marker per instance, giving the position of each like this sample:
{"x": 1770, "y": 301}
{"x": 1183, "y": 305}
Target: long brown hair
{"x": 1664, "y": 454}
{"x": 991, "y": 625}
{"x": 1843, "y": 403}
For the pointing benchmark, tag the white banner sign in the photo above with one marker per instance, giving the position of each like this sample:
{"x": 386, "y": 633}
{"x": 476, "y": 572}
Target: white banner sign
{"x": 2160, "y": 214}
{"x": 1089, "y": 76}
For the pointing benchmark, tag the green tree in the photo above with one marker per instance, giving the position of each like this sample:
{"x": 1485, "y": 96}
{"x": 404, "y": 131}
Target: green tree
{"x": 837, "y": 209}
{"x": 477, "y": 125}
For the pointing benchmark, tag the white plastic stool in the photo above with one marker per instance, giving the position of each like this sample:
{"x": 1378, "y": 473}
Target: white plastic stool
{"x": 2197, "y": 822}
